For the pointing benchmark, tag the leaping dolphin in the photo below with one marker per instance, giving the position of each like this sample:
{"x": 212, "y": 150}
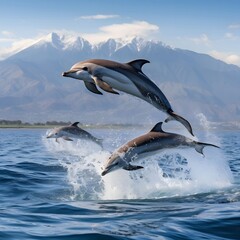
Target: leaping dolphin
{"x": 148, "y": 144}
{"x": 72, "y": 131}
{"x": 125, "y": 77}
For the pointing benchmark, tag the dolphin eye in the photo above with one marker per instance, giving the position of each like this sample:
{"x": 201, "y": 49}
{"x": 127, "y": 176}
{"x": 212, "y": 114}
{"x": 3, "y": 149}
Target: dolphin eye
{"x": 85, "y": 68}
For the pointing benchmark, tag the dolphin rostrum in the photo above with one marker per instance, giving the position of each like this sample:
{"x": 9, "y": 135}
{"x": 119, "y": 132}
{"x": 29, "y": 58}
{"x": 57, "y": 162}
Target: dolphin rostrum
{"x": 72, "y": 131}
{"x": 148, "y": 144}
{"x": 126, "y": 77}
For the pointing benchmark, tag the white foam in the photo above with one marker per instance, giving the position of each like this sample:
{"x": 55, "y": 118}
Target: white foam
{"x": 172, "y": 173}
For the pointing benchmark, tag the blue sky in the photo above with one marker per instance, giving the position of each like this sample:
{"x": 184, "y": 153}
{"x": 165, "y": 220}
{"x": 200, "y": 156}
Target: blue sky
{"x": 206, "y": 26}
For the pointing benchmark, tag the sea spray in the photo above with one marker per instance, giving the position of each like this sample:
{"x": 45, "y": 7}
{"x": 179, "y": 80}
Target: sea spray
{"x": 82, "y": 159}
{"x": 217, "y": 164}
{"x": 175, "y": 179}
{"x": 177, "y": 172}
{"x": 150, "y": 182}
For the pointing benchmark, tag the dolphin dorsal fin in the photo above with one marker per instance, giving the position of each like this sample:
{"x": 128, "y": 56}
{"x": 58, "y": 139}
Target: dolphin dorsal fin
{"x": 74, "y": 124}
{"x": 138, "y": 63}
{"x": 157, "y": 127}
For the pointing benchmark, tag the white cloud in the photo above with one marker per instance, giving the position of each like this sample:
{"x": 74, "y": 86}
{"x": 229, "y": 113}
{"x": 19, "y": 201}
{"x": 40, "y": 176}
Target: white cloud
{"x": 98, "y": 17}
{"x": 234, "y": 26}
{"x": 124, "y": 30}
{"x": 10, "y": 44}
{"x": 7, "y": 40}
{"x": 201, "y": 40}
{"x": 230, "y": 58}
{"x": 15, "y": 46}
{"x": 233, "y": 58}
{"x": 7, "y": 37}
{"x": 7, "y": 33}
{"x": 230, "y": 35}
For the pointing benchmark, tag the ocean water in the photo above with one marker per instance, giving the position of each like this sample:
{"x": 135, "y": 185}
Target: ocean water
{"x": 52, "y": 190}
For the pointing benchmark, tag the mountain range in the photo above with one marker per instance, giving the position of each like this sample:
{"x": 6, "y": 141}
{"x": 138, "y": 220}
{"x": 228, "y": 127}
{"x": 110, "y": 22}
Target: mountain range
{"x": 33, "y": 89}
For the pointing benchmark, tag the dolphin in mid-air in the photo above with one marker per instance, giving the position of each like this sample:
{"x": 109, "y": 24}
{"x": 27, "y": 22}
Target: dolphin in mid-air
{"x": 126, "y": 77}
{"x": 72, "y": 131}
{"x": 147, "y": 145}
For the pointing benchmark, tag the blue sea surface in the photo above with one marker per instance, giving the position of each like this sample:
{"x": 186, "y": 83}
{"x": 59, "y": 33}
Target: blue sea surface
{"x": 51, "y": 190}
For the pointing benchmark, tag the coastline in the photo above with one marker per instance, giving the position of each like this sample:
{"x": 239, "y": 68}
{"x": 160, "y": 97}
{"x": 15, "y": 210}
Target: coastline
{"x": 87, "y": 126}
{"x": 217, "y": 127}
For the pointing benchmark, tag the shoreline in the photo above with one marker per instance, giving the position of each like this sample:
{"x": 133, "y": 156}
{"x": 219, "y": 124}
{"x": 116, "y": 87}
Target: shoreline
{"x": 112, "y": 126}
{"x": 104, "y": 126}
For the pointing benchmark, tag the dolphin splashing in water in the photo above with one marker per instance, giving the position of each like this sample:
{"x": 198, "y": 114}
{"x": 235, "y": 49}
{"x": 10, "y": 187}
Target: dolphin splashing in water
{"x": 73, "y": 131}
{"x": 147, "y": 145}
{"x": 125, "y": 77}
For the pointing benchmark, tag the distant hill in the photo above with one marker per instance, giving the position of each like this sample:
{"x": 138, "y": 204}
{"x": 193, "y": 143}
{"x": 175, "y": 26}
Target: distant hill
{"x": 33, "y": 89}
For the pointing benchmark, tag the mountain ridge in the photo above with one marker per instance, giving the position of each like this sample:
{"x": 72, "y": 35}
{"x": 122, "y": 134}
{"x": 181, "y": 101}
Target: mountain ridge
{"x": 32, "y": 88}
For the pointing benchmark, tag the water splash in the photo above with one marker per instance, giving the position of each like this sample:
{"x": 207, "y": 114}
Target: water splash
{"x": 217, "y": 164}
{"x": 83, "y": 161}
{"x": 167, "y": 174}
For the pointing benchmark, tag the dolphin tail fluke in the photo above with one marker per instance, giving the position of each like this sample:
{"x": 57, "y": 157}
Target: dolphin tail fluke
{"x": 183, "y": 121}
{"x": 67, "y": 139}
{"x": 199, "y": 146}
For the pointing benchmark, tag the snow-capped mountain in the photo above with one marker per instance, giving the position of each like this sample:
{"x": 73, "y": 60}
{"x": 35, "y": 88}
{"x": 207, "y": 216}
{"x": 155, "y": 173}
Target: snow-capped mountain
{"x": 33, "y": 89}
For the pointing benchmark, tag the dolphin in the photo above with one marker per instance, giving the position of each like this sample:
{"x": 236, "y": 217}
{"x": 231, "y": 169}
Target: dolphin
{"x": 126, "y": 77}
{"x": 147, "y": 145}
{"x": 72, "y": 131}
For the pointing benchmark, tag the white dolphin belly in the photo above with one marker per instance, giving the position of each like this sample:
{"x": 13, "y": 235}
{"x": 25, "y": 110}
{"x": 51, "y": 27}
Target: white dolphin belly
{"x": 120, "y": 82}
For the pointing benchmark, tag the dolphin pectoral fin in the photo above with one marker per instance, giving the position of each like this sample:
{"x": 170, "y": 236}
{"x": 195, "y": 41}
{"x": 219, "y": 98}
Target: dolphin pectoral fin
{"x": 67, "y": 139}
{"x": 92, "y": 87}
{"x": 183, "y": 121}
{"x": 57, "y": 140}
{"x": 132, "y": 167}
{"x": 103, "y": 85}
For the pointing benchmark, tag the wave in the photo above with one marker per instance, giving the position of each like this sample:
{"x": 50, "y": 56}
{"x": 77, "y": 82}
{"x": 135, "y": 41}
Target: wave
{"x": 167, "y": 174}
